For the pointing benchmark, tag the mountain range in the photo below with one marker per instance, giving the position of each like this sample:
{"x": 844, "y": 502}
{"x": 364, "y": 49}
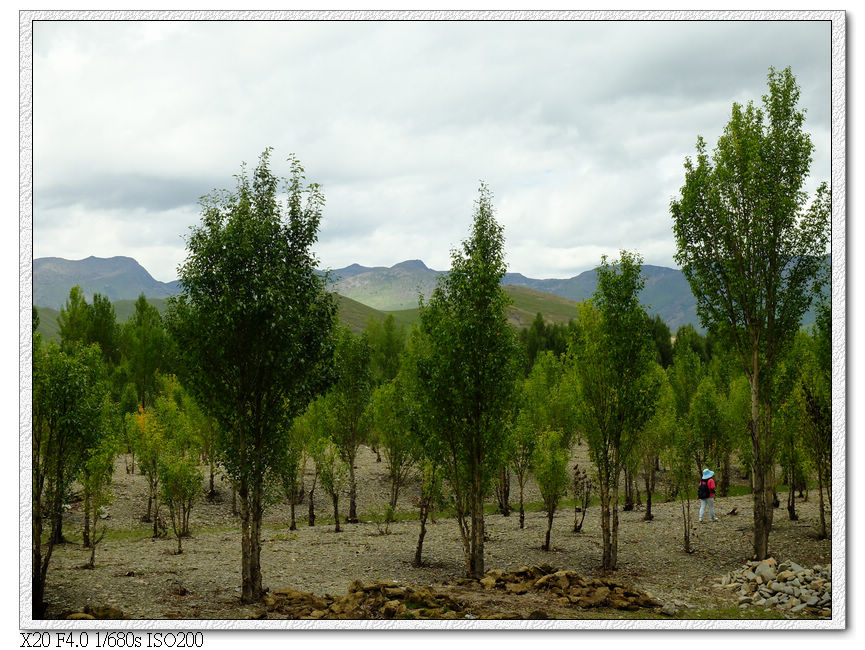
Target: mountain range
{"x": 381, "y": 289}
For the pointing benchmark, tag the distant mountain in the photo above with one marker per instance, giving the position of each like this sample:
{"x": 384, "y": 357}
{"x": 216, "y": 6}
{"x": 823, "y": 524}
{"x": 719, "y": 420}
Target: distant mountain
{"x": 396, "y": 288}
{"x": 117, "y": 278}
{"x": 376, "y": 290}
{"x": 386, "y": 289}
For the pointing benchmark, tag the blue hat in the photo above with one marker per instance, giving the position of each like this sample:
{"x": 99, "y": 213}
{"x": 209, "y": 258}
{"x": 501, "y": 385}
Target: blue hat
{"x": 707, "y": 473}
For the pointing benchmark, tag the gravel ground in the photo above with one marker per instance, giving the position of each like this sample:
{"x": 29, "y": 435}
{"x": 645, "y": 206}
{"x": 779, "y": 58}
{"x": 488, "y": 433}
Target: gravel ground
{"x": 145, "y": 579}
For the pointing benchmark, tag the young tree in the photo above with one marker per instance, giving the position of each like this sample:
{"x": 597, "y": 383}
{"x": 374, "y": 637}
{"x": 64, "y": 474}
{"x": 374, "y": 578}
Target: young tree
{"x": 615, "y": 392}
{"x": 655, "y": 437}
{"x": 253, "y": 330}
{"x": 386, "y": 341}
{"x": 752, "y": 248}
{"x": 144, "y": 346}
{"x": 581, "y": 489}
{"x": 536, "y": 414}
{"x": 468, "y": 374}
{"x": 67, "y": 402}
{"x": 431, "y": 495}
{"x": 816, "y": 390}
{"x": 149, "y": 442}
{"x": 103, "y": 328}
{"x": 181, "y": 484}
{"x": 350, "y": 422}
{"x": 391, "y": 416}
{"x": 74, "y": 319}
{"x": 332, "y": 472}
{"x": 550, "y": 466}
{"x": 294, "y": 466}
{"x": 97, "y": 477}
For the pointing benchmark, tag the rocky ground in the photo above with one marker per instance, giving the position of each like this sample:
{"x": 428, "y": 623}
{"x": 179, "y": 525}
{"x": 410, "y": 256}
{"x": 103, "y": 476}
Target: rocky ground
{"x": 143, "y": 578}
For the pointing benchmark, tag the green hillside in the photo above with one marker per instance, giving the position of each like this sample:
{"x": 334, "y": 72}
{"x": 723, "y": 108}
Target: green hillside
{"x": 351, "y": 313}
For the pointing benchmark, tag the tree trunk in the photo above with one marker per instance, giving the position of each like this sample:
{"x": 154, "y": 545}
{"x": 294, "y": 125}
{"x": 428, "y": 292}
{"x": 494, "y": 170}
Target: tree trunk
{"x": 503, "y": 491}
{"x": 233, "y": 499}
{"x": 335, "y": 498}
{"x": 762, "y": 489}
{"x": 394, "y": 492}
{"x": 650, "y": 484}
{"x": 424, "y": 511}
{"x": 522, "y": 509}
{"x": 477, "y": 570}
{"x": 614, "y": 528}
{"x": 311, "y": 516}
{"x": 823, "y": 531}
{"x": 686, "y": 521}
{"x": 211, "y": 492}
{"x": 352, "y": 493}
{"x": 86, "y": 534}
{"x": 250, "y": 513}
{"x": 791, "y": 503}
{"x": 604, "y": 492}
{"x": 155, "y": 518}
{"x": 146, "y": 517}
{"x": 293, "y": 525}
{"x": 549, "y": 530}
{"x": 629, "y": 492}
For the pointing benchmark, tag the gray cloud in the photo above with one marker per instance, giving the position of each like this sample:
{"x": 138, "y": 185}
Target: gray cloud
{"x": 579, "y": 128}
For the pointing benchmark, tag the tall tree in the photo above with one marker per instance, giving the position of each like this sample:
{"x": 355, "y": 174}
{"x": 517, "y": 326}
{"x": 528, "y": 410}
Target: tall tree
{"x": 253, "y": 329}
{"x": 752, "y": 247}
{"x": 468, "y": 372}
{"x": 615, "y": 390}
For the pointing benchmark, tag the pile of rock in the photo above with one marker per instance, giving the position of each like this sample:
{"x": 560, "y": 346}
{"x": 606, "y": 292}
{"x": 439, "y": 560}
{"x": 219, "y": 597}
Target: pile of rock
{"x": 569, "y": 588}
{"x": 786, "y": 586}
{"x": 91, "y": 613}
{"x": 382, "y": 600}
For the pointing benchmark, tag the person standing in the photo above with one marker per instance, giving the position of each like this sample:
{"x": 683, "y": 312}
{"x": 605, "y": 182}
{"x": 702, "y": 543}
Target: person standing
{"x": 706, "y": 494}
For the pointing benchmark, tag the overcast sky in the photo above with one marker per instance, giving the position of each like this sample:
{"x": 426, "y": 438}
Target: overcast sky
{"x": 580, "y": 129}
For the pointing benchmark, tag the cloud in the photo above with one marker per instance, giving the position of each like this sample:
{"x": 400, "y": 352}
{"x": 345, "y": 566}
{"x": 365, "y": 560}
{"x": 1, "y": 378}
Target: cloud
{"x": 580, "y": 128}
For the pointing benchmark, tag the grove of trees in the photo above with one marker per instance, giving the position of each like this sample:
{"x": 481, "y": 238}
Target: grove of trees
{"x": 248, "y": 374}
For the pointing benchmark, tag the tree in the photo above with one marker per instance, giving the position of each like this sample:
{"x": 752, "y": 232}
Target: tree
{"x": 663, "y": 341}
{"x": 581, "y": 489}
{"x": 550, "y": 465}
{"x": 294, "y": 466}
{"x": 536, "y": 414}
{"x": 181, "y": 485}
{"x": 144, "y": 346}
{"x": 253, "y": 330}
{"x": 386, "y": 342}
{"x": 816, "y": 391}
{"x": 615, "y": 392}
{"x": 149, "y": 442}
{"x": 430, "y": 496}
{"x": 103, "y": 328}
{"x": 752, "y": 248}
{"x": 468, "y": 373}
{"x": 99, "y": 470}
{"x": 655, "y": 437}
{"x": 74, "y": 319}
{"x": 332, "y": 472}
{"x": 350, "y": 422}
{"x": 391, "y": 413}
{"x": 68, "y": 397}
